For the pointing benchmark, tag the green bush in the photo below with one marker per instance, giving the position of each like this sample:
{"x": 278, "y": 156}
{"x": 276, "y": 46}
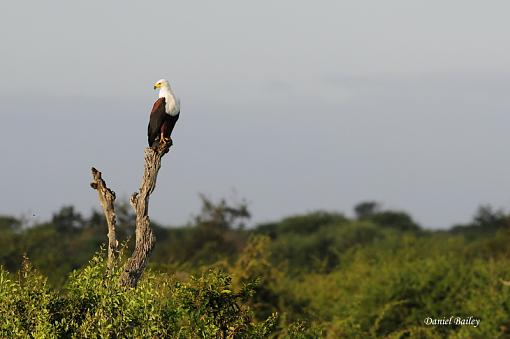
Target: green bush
{"x": 324, "y": 275}
{"x": 93, "y": 304}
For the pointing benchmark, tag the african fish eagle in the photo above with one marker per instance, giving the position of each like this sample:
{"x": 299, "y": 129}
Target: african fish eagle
{"x": 164, "y": 114}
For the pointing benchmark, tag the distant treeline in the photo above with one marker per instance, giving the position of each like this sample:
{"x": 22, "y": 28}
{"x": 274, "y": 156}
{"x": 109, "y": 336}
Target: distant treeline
{"x": 325, "y": 274}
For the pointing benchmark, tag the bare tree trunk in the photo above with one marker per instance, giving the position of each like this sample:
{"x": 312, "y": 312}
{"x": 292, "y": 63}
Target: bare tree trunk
{"x": 145, "y": 239}
{"x": 107, "y": 199}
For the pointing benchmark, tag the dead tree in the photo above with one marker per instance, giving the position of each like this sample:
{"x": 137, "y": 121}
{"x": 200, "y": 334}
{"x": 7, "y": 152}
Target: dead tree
{"x": 144, "y": 237}
{"x": 107, "y": 198}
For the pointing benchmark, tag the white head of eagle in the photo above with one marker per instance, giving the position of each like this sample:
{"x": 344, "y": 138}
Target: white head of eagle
{"x": 164, "y": 114}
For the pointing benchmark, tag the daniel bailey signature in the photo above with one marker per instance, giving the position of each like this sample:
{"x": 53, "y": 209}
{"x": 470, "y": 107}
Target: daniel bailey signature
{"x": 453, "y": 320}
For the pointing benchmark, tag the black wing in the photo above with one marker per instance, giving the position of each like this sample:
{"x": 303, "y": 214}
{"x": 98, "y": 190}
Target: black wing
{"x": 157, "y": 118}
{"x": 172, "y": 119}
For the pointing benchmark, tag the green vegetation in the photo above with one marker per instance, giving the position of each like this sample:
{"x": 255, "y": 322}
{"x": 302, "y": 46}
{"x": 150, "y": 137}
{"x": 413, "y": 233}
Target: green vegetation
{"x": 316, "y": 275}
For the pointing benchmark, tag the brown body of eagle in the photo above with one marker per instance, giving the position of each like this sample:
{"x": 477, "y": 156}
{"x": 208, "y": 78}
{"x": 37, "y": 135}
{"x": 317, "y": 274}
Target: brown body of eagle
{"x": 161, "y": 124}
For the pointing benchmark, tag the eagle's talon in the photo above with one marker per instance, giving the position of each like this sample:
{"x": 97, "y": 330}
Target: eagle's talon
{"x": 166, "y": 140}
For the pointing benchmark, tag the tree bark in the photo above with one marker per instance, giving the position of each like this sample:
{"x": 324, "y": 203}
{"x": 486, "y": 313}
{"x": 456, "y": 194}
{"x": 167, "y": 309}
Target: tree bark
{"x": 145, "y": 239}
{"x": 107, "y": 199}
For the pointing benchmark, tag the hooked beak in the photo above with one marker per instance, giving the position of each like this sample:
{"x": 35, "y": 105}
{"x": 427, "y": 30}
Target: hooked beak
{"x": 157, "y": 86}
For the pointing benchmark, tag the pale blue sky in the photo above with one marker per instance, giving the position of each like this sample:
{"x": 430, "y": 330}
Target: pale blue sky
{"x": 294, "y": 105}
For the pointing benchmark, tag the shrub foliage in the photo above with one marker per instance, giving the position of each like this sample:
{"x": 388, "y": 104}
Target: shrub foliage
{"x": 379, "y": 275}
